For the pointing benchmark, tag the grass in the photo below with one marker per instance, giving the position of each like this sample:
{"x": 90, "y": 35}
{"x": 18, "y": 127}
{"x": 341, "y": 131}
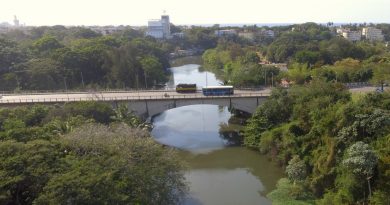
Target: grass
{"x": 356, "y": 96}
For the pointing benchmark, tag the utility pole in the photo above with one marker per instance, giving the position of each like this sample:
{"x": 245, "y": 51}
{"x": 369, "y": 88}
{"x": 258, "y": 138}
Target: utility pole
{"x": 66, "y": 88}
{"x": 146, "y": 82}
{"x": 137, "y": 82}
{"x": 206, "y": 79}
{"x": 82, "y": 79}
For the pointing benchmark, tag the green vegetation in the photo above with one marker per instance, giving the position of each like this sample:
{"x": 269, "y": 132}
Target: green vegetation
{"x": 334, "y": 146}
{"x": 84, "y": 153}
{"x": 335, "y": 149}
{"x": 53, "y": 58}
{"x": 238, "y": 65}
{"x": 309, "y": 50}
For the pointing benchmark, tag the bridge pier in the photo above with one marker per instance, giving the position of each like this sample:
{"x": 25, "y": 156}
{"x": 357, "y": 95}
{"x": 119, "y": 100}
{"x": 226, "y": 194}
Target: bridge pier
{"x": 150, "y": 107}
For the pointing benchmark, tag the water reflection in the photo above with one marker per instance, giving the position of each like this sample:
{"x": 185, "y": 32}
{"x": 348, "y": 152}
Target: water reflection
{"x": 233, "y": 175}
{"x": 194, "y": 128}
{"x": 221, "y": 172}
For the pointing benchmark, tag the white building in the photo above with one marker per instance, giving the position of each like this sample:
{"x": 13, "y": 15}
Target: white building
{"x": 178, "y": 35}
{"x": 352, "y": 35}
{"x": 341, "y": 30}
{"x": 372, "y": 34}
{"x": 16, "y": 22}
{"x": 229, "y": 32}
{"x": 159, "y": 28}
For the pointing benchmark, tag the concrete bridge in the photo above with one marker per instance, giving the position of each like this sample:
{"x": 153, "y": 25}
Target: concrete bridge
{"x": 144, "y": 103}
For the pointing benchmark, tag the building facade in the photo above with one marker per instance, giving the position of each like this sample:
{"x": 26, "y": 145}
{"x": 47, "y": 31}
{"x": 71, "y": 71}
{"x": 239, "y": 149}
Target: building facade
{"x": 229, "y": 32}
{"x": 352, "y": 35}
{"x": 372, "y": 34}
{"x": 159, "y": 28}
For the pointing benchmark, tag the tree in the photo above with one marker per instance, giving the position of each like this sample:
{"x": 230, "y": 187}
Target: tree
{"x": 42, "y": 74}
{"x": 25, "y": 168}
{"x": 100, "y": 112}
{"x": 45, "y": 45}
{"x": 296, "y": 169}
{"x": 153, "y": 70}
{"x": 308, "y": 57}
{"x": 81, "y": 32}
{"x": 10, "y": 55}
{"x": 381, "y": 74}
{"x": 116, "y": 165}
{"x": 361, "y": 160}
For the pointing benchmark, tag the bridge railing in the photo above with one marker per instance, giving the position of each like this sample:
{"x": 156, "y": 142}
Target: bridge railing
{"x": 91, "y": 91}
{"x": 47, "y": 92}
{"x": 122, "y": 98}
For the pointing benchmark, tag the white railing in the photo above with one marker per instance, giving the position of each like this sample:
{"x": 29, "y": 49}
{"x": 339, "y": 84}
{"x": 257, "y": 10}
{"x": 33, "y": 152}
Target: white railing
{"x": 86, "y": 91}
{"x": 124, "y": 98}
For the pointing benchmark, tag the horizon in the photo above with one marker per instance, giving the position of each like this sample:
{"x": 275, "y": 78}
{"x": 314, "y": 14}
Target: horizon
{"x": 334, "y": 24}
{"x": 201, "y": 12}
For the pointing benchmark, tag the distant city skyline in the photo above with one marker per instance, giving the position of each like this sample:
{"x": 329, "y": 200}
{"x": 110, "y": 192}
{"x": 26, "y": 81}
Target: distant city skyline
{"x": 200, "y": 12}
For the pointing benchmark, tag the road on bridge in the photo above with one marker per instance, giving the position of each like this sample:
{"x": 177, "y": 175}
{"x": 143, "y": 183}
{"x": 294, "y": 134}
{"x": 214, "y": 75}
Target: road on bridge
{"x": 131, "y": 95}
{"x": 112, "y": 96}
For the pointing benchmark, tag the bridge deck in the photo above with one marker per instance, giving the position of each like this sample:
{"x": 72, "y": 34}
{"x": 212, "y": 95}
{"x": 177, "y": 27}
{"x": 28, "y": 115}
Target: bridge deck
{"x": 118, "y": 96}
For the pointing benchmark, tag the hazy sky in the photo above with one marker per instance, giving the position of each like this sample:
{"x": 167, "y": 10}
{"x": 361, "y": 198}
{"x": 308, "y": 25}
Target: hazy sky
{"x": 137, "y": 12}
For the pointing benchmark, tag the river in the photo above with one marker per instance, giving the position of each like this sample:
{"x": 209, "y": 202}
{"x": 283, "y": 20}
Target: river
{"x": 220, "y": 170}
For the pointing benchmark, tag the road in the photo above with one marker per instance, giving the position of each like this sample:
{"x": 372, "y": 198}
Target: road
{"x": 132, "y": 95}
{"x": 366, "y": 89}
{"x": 110, "y": 96}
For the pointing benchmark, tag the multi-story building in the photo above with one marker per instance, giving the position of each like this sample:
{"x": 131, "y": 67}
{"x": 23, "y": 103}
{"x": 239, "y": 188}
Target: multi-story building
{"x": 341, "y": 30}
{"x": 16, "y": 22}
{"x": 229, "y": 32}
{"x": 159, "y": 28}
{"x": 372, "y": 34}
{"x": 352, "y": 35}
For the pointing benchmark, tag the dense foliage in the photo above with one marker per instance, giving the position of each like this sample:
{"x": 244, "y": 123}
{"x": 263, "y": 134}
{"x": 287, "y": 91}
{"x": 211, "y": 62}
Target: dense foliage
{"x": 335, "y": 148}
{"x": 309, "y": 50}
{"x": 238, "y": 65}
{"x": 84, "y": 153}
{"x": 52, "y": 58}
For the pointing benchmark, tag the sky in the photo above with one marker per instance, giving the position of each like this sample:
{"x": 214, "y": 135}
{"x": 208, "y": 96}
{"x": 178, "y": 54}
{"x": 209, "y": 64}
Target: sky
{"x": 184, "y": 12}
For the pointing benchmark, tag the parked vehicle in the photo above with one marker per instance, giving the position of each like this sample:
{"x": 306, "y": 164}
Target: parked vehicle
{"x": 218, "y": 90}
{"x": 186, "y": 88}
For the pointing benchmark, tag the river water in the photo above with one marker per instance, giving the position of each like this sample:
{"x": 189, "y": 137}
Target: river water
{"x": 220, "y": 171}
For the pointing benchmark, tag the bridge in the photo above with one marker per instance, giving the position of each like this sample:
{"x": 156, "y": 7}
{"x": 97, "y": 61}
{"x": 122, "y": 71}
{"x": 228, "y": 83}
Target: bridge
{"x": 143, "y": 103}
